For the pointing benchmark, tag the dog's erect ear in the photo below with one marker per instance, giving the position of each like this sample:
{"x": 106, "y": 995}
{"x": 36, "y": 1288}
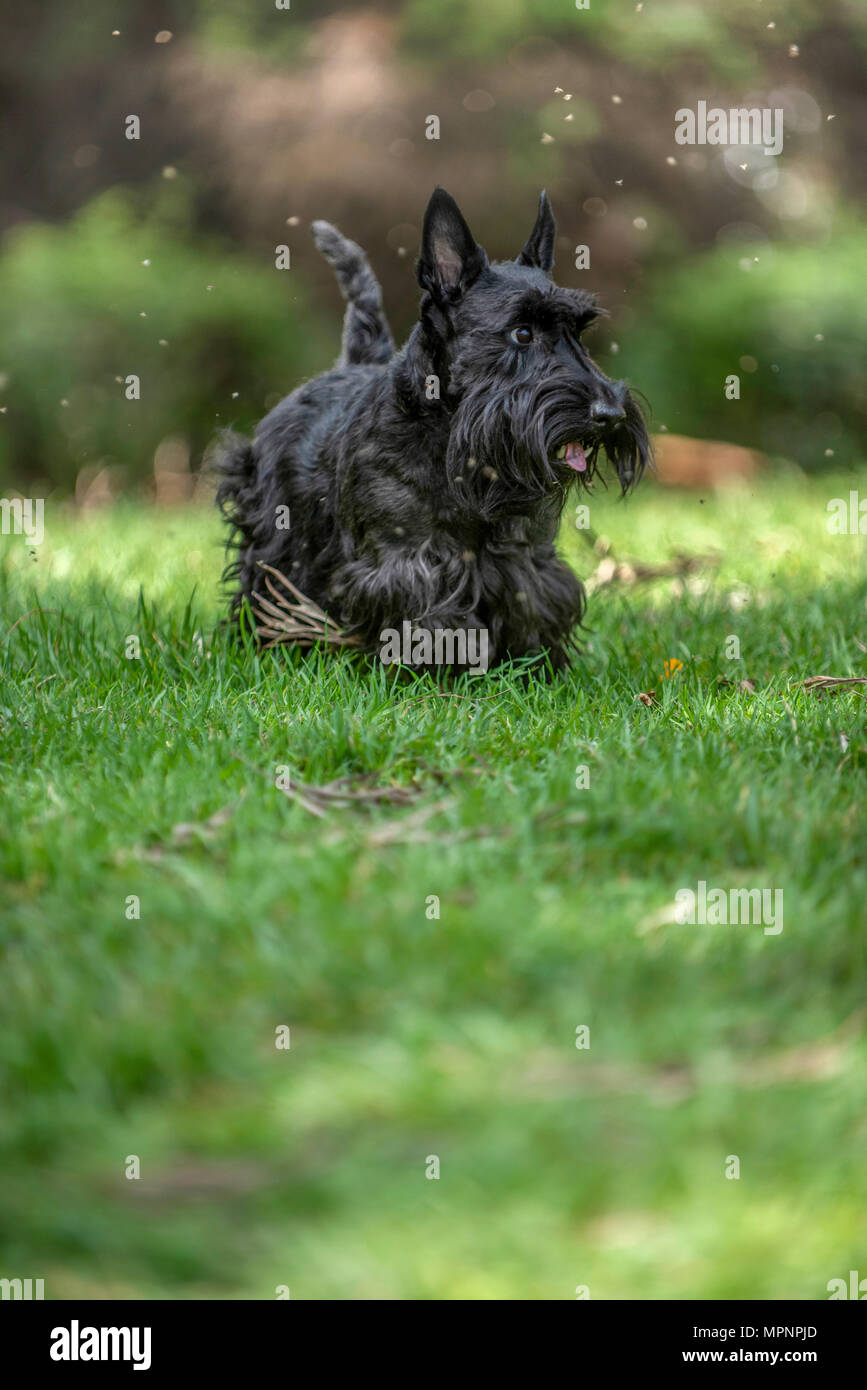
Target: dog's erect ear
{"x": 539, "y": 250}
{"x": 450, "y": 258}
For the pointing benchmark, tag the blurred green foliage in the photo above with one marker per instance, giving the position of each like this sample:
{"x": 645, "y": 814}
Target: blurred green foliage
{"x": 721, "y": 35}
{"x": 214, "y": 337}
{"x": 110, "y": 270}
{"x": 789, "y": 321}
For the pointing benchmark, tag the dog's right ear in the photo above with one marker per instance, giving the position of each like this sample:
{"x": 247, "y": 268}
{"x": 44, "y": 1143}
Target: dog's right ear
{"x": 450, "y": 257}
{"x": 539, "y": 250}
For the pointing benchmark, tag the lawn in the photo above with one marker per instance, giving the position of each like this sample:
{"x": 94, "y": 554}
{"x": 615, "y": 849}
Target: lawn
{"x": 167, "y": 909}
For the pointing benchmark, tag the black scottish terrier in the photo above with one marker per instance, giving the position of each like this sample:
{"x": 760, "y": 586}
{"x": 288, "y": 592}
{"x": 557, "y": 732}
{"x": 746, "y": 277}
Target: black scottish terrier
{"x": 426, "y": 485}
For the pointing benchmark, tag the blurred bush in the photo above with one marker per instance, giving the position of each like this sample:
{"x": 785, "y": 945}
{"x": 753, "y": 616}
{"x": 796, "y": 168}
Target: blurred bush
{"x": 215, "y": 338}
{"x": 721, "y": 36}
{"x": 265, "y": 116}
{"x": 789, "y": 321}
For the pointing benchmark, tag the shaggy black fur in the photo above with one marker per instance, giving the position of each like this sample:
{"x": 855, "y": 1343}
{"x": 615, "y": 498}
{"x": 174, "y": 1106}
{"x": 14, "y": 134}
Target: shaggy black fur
{"x": 425, "y": 484}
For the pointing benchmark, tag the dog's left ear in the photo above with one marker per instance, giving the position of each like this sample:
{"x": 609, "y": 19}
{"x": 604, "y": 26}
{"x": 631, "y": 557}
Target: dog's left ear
{"x": 450, "y": 258}
{"x": 539, "y": 250}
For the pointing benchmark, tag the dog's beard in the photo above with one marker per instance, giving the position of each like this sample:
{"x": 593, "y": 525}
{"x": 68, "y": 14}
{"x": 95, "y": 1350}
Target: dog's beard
{"x": 627, "y": 445}
{"x": 510, "y": 451}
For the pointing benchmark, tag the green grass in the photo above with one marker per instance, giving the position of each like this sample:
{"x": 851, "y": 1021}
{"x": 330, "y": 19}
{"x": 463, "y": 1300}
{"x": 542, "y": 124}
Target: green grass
{"x": 413, "y": 1036}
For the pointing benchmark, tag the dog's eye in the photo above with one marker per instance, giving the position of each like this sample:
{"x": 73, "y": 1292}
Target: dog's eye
{"x": 521, "y": 336}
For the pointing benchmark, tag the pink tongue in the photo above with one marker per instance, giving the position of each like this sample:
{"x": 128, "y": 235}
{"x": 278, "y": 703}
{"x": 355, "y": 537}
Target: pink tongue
{"x": 575, "y": 458}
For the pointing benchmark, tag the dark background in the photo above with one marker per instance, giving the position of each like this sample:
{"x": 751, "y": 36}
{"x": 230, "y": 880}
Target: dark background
{"x": 251, "y": 116}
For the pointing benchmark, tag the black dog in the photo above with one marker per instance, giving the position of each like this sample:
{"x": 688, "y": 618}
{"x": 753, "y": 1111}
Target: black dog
{"x": 426, "y": 485}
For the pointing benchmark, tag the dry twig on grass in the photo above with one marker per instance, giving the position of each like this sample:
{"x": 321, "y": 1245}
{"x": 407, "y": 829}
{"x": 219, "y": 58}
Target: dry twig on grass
{"x": 292, "y": 617}
{"x": 820, "y": 684}
{"x": 611, "y": 571}
{"x": 345, "y": 791}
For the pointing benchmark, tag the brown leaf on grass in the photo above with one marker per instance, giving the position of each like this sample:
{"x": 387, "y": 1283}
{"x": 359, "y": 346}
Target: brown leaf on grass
{"x": 646, "y": 697}
{"x": 294, "y": 618}
{"x": 822, "y": 684}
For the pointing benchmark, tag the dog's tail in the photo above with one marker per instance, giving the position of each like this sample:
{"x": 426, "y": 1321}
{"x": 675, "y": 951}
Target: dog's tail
{"x": 366, "y": 334}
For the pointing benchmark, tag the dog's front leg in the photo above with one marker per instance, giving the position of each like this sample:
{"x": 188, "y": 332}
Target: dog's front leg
{"x": 536, "y": 602}
{"x": 432, "y": 597}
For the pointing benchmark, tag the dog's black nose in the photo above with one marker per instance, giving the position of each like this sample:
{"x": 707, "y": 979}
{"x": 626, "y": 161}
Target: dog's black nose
{"x": 604, "y": 412}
